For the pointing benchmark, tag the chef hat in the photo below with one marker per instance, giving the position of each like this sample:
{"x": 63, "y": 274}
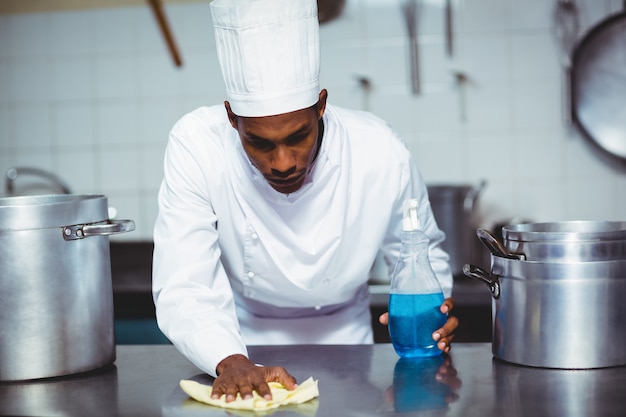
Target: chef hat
{"x": 269, "y": 54}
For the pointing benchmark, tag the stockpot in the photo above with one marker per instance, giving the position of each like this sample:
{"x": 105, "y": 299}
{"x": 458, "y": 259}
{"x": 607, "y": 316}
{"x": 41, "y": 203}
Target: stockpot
{"x": 454, "y": 210}
{"x": 56, "y": 315}
{"x": 556, "y": 314}
{"x": 566, "y": 241}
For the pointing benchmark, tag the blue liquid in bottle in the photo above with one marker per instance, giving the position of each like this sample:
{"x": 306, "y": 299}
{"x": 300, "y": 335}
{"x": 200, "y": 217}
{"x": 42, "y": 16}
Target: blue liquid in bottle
{"x": 412, "y": 320}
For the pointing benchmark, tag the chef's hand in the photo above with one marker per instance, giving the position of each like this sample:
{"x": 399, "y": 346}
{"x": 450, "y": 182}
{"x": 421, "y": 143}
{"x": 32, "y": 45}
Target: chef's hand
{"x": 443, "y": 335}
{"x": 236, "y": 374}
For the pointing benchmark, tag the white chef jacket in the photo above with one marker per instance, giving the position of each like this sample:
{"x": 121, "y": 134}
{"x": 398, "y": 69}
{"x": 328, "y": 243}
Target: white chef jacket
{"x": 237, "y": 263}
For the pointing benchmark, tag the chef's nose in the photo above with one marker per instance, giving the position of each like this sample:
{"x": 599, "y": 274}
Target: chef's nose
{"x": 283, "y": 163}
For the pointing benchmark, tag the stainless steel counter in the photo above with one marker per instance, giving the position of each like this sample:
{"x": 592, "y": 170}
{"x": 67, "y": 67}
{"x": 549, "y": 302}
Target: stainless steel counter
{"x": 365, "y": 380}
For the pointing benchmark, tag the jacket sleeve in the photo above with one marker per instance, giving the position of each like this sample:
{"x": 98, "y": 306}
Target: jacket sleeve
{"x": 192, "y": 295}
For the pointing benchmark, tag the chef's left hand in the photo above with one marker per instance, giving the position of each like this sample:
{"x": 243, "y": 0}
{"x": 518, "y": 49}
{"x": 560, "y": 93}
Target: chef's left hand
{"x": 444, "y": 335}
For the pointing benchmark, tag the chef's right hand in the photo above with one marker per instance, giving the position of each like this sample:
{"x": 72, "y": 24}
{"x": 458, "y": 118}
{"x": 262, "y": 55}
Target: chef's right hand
{"x": 236, "y": 374}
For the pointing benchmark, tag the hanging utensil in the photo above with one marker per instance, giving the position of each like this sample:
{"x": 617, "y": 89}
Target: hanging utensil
{"x": 566, "y": 28}
{"x": 411, "y": 9}
{"x": 159, "y": 14}
{"x": 365, "y": 84}
{"x": 449, "y": 28}
{"x": 598, "y": 86}
{"x": 461, "y": 80}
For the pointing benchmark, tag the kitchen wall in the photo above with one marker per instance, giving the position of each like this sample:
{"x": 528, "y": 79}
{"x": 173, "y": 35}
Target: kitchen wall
{"x": 92, "y": 94}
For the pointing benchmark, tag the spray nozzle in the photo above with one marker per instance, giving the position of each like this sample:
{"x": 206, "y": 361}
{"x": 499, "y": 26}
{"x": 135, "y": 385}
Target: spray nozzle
{"x": 410, "y": 221}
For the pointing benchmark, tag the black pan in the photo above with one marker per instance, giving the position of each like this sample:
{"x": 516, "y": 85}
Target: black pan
{"x": 598, "y": 86}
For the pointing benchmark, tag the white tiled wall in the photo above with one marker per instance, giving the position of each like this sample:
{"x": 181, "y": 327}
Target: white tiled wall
{"x": 91, "y": 96}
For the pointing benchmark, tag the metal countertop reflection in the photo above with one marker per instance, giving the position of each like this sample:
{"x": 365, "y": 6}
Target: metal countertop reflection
{"x": 360, "y": 380}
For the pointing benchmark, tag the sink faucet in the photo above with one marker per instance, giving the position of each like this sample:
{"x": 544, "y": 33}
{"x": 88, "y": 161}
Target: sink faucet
{"x": 13, "y": 173}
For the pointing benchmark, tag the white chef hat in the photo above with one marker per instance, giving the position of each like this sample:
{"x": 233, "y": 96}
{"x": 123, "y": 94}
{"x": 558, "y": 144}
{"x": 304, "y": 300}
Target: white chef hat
{"x": 269, "y": 54}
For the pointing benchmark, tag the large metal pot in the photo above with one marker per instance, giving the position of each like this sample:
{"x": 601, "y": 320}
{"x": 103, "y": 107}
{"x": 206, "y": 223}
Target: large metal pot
{"x": 454, "y": 210}
{"x": 56, "y": 315}
{"x": 556, "y": 314}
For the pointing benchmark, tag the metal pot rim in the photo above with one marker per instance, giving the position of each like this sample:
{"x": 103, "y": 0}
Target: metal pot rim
{"x": 45, "y": 200}
{"x": 567, "y": 231}
{"x": 51, "y": 210}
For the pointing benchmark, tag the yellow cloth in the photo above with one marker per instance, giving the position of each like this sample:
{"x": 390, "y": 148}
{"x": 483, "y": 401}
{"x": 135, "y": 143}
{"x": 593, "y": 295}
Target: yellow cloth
{"x": 306, "y": 391}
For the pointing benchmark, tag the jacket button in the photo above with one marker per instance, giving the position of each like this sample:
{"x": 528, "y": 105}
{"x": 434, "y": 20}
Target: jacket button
{"x": 250, "y": 274}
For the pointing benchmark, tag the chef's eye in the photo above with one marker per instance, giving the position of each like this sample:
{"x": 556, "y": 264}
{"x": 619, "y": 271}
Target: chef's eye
{"x": 260, "y": 144}
{"x": 294, "y": 140}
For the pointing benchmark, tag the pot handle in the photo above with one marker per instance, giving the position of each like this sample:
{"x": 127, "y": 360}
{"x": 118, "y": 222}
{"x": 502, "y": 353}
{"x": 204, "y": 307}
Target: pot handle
{"x": 472, "y": 195}
{"x": 477, "y": 272}
{"x": 495, "y": 247}
{"x": 80, "y": 231}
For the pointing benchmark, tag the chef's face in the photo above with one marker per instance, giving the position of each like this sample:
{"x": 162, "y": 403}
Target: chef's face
{"x": 282, "y": 147}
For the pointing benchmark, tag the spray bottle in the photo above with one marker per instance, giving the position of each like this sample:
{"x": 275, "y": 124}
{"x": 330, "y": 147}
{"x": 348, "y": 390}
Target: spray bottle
{"x": 415, "y": 296}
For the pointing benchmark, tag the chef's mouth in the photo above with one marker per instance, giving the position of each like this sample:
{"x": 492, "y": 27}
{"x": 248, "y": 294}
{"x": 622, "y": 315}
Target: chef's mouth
{"x": 285, "y": 184}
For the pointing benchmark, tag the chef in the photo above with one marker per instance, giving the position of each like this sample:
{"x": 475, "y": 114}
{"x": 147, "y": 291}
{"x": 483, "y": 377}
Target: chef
{"x": 274, "y": 206}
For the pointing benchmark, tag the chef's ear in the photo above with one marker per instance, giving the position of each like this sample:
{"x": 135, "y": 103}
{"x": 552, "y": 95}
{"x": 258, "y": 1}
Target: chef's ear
{"x": 232, "y": 117}
{"x": 321, "y": 103}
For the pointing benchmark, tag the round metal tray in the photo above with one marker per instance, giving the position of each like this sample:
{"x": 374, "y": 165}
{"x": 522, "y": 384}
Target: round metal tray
{"x": 598, "y": 86}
